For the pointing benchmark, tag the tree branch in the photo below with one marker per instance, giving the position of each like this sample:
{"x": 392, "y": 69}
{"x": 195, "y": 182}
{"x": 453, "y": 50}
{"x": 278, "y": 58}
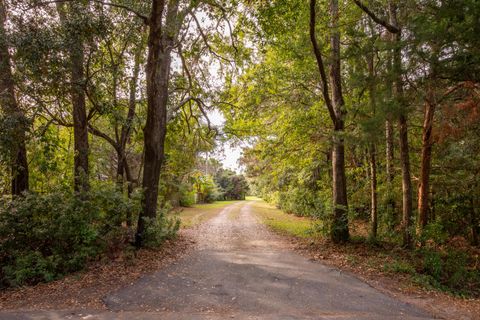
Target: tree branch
{"x": 384, "y": 23}
{"x": 321, "y": 66}
{"x": 100, "y": 134}
{"x": 111, "y": 4}
{"x": 205, "y": 39}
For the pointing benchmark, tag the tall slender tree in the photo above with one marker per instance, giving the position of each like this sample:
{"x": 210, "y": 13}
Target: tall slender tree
{"x": 393, "y": 27}
{"x": 407, "y": 202}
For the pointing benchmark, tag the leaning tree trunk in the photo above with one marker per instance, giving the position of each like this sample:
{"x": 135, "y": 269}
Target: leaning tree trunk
{"x": 403, "y": 132}
{"x": 16, "y": 116}
{"x": 160, "y": 45}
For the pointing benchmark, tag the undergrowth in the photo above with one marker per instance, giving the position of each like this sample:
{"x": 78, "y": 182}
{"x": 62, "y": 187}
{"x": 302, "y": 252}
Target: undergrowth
{"x": 46, "y": 236}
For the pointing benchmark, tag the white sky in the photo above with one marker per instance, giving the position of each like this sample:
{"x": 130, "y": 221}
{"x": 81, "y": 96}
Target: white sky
{"x": 226, "y": 154}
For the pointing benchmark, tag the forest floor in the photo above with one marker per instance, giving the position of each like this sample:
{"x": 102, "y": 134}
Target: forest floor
{"x": 228, "y": 265}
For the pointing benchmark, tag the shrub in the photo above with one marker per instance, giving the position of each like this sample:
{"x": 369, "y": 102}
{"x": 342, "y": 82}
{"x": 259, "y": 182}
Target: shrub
{"x": 159, "y": 229}
{"x": 301, "y": 202}
{"x": 450, "y": 270}
{"x": 45, "y": 236}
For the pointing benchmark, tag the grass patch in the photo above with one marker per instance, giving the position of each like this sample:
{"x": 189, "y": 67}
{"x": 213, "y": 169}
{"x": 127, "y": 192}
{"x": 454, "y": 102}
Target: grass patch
{"x": 214, "y": 205}
{"x": 282, "y": 222}
{"x": 399, "y": 266}
{"x": 200, "y": 213}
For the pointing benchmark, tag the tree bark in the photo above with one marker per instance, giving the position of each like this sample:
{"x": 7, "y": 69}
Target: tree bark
{"x": 160, "y": 45}
{"x": 475, "y": 223}
{"x": 16, "y": 116}
{"x": 403, "y": 131}
{"x": 372, "y": 149}
{"x": 427, "y": 145}
{"x": 77, "y": 93}
{"x": 335, "y": 105}
{"x": 373, "y": 192}
{"x": 127, "y": 126}
{"x": 426, "y": 160}
{"x": 340, "y": 224}
{"x": 389, "y": 151}
{"x": 390, "y": 172}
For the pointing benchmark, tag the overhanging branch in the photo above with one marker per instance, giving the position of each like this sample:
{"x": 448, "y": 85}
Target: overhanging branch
{"x": 371, "y": 14}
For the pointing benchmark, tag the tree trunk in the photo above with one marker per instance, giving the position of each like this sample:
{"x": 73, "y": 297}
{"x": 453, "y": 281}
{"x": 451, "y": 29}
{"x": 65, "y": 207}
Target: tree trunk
{"x": 406, "y": 182}
{"x": 372, "y": 148}
{"x": 339, "y": 232}
{"x": 373, "y": 192}
{"x": 127, "y": 126}
{"x": 339, "y": 228}
{"x": 160, "y": 45}
{"x": 474, "y": 222}
{"x": 427, "y": 145}
{"x": 426, "y": 159}
{"x": 391, "y": 211}
{"x": 77, "y": 92}
{"x": 120, "y": 167}
{"x": 390, "y": 172}
{"x": 403, "y": 132}
{"x": 11, "y": 110}
{"x": 389, "y": 151}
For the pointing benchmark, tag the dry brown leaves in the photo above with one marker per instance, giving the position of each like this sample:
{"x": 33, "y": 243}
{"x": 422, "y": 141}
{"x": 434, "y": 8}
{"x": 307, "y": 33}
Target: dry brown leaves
{"x": 86, "y": 289}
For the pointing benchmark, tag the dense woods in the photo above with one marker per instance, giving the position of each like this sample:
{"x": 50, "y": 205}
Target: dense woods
{"x": 350, "y": 111}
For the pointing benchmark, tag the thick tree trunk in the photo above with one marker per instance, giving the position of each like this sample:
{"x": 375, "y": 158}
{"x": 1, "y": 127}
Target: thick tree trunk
{"x": 403, "y": 132}
{"x": 11, "y": 110}
{"x": 339, "y": 232}
{"x": 77, "y": 93}
{"x": 339, "y": 229}
{"x": 80, "y": 124}
{"x": 160, "y": 45}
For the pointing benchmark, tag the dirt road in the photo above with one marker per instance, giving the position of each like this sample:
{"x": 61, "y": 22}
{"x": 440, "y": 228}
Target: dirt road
{"x": 240, "y": 270}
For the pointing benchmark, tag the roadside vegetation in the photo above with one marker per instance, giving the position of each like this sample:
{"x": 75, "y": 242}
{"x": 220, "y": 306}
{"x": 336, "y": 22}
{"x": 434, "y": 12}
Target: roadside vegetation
{"x": 451, "y": 267}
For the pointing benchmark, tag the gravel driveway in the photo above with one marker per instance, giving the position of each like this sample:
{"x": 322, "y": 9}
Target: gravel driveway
{"x": 241, "y": 270}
